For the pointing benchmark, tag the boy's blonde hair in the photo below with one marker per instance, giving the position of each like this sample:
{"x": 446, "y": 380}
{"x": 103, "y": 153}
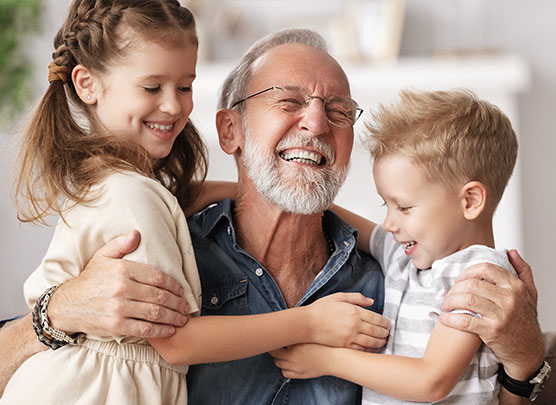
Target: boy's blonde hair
{"x": 452, "y": 135}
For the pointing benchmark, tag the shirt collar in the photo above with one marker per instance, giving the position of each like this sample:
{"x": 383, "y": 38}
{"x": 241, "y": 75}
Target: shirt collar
{"x": 343, "y": 234}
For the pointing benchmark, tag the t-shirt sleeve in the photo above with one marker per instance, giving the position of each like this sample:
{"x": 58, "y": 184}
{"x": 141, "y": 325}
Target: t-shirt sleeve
{"x": 448, "y": 269}
{"x": 382, "y": 247}
{"x": 126, "y": 202}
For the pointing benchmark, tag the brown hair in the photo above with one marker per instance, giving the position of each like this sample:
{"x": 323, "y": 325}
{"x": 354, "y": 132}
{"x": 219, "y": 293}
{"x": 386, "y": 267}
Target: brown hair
{"x": 452, "y": 135}
{"x": 59, "y": 158}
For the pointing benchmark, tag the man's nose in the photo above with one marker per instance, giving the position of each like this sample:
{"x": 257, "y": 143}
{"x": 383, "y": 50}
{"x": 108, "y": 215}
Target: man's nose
{"x": 314, "y": 118}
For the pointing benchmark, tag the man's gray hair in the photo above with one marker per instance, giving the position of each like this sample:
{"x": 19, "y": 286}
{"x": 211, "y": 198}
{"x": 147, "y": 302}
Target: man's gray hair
{"x": 234, "y": 86}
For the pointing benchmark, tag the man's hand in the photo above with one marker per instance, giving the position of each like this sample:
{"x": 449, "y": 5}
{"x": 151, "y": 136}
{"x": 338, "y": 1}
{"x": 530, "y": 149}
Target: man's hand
{"x": 508, "y": 306}
{"x": 116, "y": 297}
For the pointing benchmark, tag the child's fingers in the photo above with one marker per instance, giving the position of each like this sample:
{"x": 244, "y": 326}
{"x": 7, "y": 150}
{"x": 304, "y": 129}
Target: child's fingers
{"x": 279, "y": 353}
{"x": 366, "y": 342}
{"x": 373, "y": 330}
{"x": 356, "y": 299}
{"x": 372, "y": 318}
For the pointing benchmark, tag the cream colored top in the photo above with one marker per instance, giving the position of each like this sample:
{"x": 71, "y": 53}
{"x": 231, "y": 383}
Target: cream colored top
{"x": 111, "y": 370}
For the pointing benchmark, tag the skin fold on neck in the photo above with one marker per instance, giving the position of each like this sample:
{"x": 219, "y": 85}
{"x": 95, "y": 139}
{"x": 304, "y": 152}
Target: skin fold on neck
{"x": 291, "y": 247}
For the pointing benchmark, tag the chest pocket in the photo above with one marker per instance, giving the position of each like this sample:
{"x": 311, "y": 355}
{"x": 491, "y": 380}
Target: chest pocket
{"x": 225, "y": 297}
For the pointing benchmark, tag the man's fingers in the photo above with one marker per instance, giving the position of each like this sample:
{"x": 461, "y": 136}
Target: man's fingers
{"x": 121, "y": 245}
{"x": 485, "y": 303}
{"x": 154, "y": 313}
{"x": 523, "y": 271}
{"x": 488, "y": 272}
{"x": 149, "y": 275}
{"x": 465, "y": 322}
{"x": 474, "y": 287}
{"x": 148, "y": 294}
{"x": 138, "y": 328}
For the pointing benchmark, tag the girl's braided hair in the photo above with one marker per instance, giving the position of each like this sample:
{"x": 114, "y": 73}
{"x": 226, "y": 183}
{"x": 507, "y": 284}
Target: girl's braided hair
{"x": 61, "y": 159}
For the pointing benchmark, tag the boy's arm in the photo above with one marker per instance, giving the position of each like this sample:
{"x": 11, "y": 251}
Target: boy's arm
{"x": 508, "y": 305}
{"x": 363, "y": 225}
{"x": 212, "y": 192}
{"x": 427, "y": 379}
{"x": 336, "y": 320}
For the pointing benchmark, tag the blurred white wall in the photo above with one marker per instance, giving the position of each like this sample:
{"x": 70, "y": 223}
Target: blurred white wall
{"x": 431, "y": 26}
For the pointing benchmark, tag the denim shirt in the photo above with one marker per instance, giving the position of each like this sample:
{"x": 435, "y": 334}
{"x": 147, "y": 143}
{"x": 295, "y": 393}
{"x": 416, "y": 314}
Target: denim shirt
{"x": 234, "y": 283}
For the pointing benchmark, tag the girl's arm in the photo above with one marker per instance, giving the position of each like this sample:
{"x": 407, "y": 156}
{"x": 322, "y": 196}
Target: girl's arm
{"x": 427, "y": 379}
{"x": 335, "y": 320}
{"x": 363, "y": 225}
{"x": 212, "y": 192}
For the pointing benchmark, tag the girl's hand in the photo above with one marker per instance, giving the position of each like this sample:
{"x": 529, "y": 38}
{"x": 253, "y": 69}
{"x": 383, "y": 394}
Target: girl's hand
{"x": 306, "y": 360}
{"x": 341, "y": 320}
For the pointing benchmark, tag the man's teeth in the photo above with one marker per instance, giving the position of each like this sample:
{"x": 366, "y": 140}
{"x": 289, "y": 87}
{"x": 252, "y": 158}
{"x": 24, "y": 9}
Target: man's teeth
{"x": 306, "y": 157}
{"x": 409, "y": 245}
{"x": 160, "y": 127}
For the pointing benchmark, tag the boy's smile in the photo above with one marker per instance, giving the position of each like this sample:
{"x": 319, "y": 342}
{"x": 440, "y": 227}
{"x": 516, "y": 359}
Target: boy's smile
{"x": 424, "y": 216}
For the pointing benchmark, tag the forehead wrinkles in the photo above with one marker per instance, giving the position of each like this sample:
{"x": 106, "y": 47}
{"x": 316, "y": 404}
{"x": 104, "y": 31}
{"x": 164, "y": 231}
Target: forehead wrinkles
{"x": 302, "y": 66}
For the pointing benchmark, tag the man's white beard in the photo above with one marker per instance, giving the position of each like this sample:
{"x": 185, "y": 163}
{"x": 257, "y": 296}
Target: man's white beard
{"x": 306, "y": 190}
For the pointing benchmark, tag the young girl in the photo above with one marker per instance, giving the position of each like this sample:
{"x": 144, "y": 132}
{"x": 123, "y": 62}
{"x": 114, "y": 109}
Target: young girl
{"x": 128, "y": 67}
{"x": 441, "y": 163}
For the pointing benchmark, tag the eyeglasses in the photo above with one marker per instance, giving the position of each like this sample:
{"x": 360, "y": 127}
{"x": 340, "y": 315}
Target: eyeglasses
{"x": 341, "y": 112}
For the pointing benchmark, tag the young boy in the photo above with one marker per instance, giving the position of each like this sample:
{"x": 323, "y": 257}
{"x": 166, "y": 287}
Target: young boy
{"x": 441, "y": 163}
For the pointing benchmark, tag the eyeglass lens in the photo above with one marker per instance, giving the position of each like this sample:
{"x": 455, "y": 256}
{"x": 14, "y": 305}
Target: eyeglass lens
{"x": 340, "y": 112}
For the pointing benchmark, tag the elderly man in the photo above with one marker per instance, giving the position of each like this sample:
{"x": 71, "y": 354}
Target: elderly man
{"x": 287, "y": 116}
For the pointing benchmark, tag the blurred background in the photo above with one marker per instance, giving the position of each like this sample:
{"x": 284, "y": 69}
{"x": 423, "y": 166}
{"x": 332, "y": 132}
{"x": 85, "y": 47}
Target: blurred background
{"x": 501, "y": 49}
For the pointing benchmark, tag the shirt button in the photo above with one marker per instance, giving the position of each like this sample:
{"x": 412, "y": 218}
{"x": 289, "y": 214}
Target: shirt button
{"x": 214, "y": 300}
{"x": 229, "y": 231}
{"x": 259, "y": 272}
{"x": 346, "y": 243}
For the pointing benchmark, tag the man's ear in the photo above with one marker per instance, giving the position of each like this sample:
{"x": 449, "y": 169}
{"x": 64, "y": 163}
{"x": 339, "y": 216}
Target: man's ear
{"x": 230, "y": 130}
{"x": 85, "y": 84}
{"x": 474, "y": 199}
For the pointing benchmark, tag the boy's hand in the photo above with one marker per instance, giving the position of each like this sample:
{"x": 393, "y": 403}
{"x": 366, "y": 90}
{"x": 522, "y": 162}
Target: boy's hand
{"x": 341, "y": 320}
{"x": 307, "y": 360}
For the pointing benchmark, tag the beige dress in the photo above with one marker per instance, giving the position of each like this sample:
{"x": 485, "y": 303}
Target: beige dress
{"x": 110, "y": 370}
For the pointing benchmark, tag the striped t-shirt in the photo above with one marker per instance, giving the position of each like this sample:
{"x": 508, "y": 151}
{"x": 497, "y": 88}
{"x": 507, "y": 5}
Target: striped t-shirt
{"x": 412, "y": 303}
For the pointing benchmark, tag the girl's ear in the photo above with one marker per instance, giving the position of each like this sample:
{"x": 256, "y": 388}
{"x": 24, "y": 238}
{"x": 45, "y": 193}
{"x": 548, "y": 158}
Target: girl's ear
{"x": 474, "y": 199}
{"x": 230, "y": 130}
{"x": 85, "y": 84}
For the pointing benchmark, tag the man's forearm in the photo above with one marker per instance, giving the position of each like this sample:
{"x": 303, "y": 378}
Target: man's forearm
{"x": 18, "y": 342}
{"x": 507, "y": 398}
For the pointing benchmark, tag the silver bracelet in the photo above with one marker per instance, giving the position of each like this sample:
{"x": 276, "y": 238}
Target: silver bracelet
{"x": 52, "y": 337}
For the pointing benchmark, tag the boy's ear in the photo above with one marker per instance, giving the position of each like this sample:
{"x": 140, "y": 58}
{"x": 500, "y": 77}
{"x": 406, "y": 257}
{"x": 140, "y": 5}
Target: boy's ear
{"x": 474, "y": 198}
{"x": 85, "y": 84}
{"x": 230, "y": 130}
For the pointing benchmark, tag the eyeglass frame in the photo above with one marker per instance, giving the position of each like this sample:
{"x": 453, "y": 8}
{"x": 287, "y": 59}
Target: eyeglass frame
{"x": 358, "y": 110}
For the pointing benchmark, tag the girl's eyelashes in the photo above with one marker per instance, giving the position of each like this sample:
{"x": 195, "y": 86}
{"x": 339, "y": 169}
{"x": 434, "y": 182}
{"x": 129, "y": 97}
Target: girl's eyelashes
{"x": 151, "y": 89}
{"x": 404, "y": 209}
{"x": 154, "y": 89}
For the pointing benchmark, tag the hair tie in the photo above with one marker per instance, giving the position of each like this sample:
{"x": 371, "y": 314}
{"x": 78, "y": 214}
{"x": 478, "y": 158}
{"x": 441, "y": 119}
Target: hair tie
{"x": 57, "y": 72}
